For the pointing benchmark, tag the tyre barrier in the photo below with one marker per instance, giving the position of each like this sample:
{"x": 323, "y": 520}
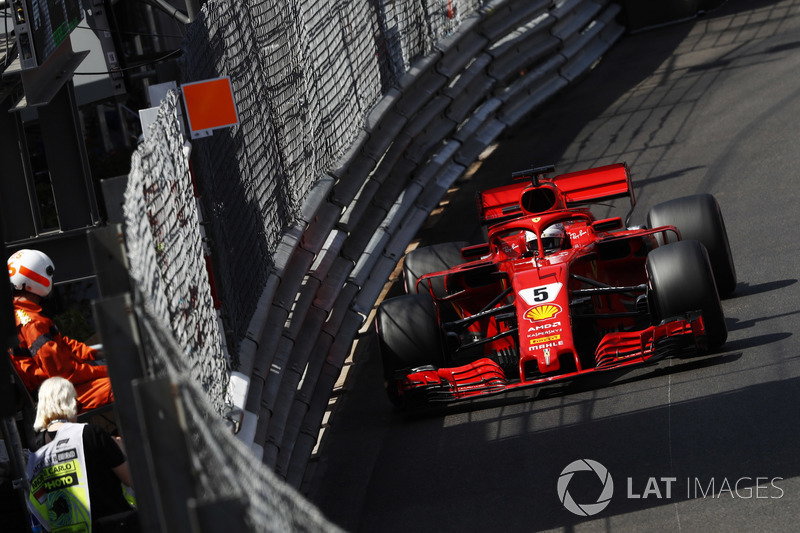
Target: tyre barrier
{"x": 330, "y": 268}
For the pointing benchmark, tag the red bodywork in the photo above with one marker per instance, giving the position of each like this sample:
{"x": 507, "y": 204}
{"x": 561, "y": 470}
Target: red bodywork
{"x": 513, "y": 317}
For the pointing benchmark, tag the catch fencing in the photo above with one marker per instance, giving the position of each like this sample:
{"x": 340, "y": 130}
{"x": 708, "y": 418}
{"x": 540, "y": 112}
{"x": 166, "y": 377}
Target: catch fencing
{"x": 305, "y": 74}
{"x": 355, "y": 119}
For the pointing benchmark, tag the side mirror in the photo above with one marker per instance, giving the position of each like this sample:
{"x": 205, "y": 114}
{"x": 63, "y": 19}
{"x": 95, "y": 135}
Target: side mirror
{"x": 475, "y": 252}
{"x": 607, "y": 224}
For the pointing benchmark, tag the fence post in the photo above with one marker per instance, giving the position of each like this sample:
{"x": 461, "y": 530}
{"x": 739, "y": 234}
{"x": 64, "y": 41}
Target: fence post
{"x": 162, "y": 419}
{"x": 10, "y": 433}
{"x": 116, "y": 323}
{"x": 14, "y": 449}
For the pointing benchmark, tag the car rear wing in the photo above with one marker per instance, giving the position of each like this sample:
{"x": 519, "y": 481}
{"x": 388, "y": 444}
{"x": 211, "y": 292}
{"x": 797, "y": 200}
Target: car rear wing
{"x": 575, "y": 188}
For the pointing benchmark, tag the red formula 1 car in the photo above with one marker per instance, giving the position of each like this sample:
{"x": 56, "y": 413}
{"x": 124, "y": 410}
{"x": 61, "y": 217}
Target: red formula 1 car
{"x": 556, "y": 293}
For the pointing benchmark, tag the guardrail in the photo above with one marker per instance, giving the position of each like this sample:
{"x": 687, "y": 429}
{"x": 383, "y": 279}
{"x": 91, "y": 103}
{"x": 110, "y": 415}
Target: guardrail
{"x": 330, "y": 267}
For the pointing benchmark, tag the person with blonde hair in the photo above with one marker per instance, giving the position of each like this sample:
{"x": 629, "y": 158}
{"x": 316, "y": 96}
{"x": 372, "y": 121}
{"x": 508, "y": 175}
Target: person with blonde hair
{"x": 76, "y": 477}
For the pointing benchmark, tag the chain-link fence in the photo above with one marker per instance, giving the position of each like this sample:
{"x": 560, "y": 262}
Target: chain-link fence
{"x": 166, "y": 255}
{"x": 222, "y": 470}
{"x": 305, "y": 74}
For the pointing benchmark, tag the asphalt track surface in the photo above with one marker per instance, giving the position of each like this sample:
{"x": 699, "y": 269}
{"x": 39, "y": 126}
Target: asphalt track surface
{"x": 704, "y": 444}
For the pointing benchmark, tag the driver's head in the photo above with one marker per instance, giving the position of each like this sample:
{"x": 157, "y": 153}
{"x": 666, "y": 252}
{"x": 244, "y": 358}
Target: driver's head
{"x": 553, "y": 238}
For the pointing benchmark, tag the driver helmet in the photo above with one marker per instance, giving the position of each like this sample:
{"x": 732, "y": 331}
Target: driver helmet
{"x": 31, "y": 271}
{"x": 553, "y": 238}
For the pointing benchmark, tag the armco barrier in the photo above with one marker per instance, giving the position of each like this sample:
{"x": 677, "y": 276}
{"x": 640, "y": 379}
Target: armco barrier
{"x": 331, "y": 267}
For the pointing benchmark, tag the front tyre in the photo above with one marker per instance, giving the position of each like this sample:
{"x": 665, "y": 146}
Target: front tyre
{"x": 408, "y": 337}
{"x": 699, "y": 217}
{"x": 681, "y": 281}
{"x": 430, "y": 259}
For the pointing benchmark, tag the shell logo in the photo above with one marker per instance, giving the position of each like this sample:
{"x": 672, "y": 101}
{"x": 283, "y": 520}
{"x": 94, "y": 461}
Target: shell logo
{"x": 542, "y": 312}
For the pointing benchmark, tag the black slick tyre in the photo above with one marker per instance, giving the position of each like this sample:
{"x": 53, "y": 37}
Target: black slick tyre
{"x": 430, "y": 259}
{"x": 408, "y": 337}
{"x": 681, "y": 280}
{"x": 699, "y": 217}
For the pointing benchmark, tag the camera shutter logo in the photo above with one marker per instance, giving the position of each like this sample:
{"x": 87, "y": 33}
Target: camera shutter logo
{"x": 585, "y": 509}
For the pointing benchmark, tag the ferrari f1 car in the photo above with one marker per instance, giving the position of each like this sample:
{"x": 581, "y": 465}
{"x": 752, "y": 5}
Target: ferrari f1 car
{"x": 556, "y": 293}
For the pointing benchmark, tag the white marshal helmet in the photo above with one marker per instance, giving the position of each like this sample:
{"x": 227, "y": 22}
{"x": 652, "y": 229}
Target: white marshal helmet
{"x": 32, "y": 271}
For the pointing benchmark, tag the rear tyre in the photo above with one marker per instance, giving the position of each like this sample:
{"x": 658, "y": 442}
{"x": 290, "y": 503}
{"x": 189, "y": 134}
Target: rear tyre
{"x": 429, "y": 259}
{"x": 699, "y": 217}
{"x": 408, "y": 337}
{"x": 681, "y": 280}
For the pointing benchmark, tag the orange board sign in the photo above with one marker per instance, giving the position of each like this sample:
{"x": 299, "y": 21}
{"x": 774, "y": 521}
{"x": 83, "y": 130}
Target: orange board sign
{"x": 209, "y": 105}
